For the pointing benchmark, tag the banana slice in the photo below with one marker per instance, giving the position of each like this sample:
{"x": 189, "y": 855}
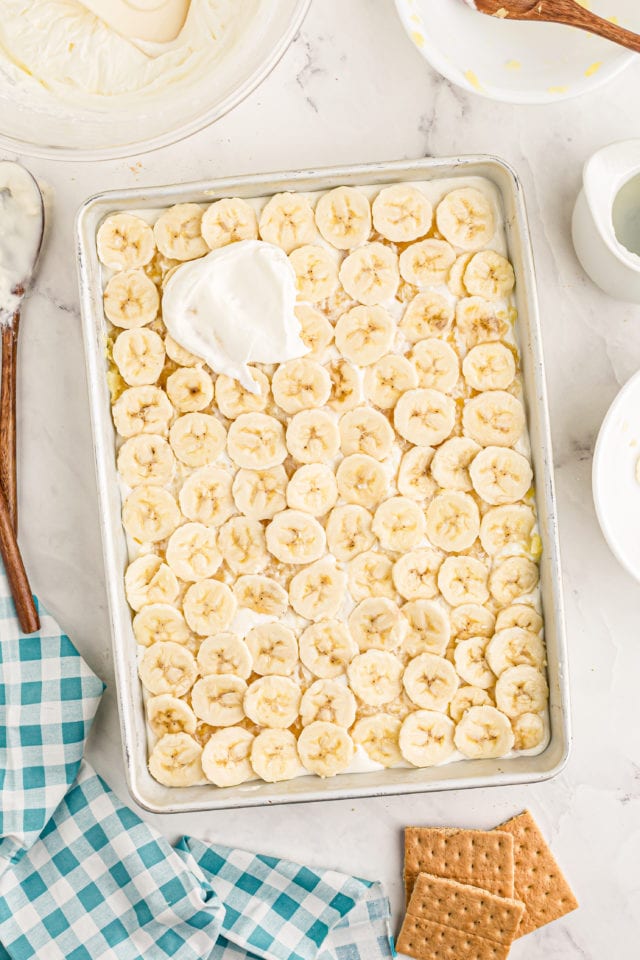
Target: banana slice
{"x": 494, "y": 418}
{"x": 150, "y": 514}
{"x": 463, "y": 580}
{"x": 175, "y": 761}
{"x": 190, "y": 389}
{"x": 197, "y": 439}
{"x": 519, "y": 615}
{"x": 287, "y": 220}
{"x": 159, "y": 622}
{"x": 424, "y": 417}
{"x": 484, "y": 733}
{"x": 453, "y": 521}
{"x": 346, "y": 392}
{"x": 227, "y": 221}
{"x": 273, "y": 702}
{"x": 274, "y": 756}
{"x": 256, "y": 441}
{"x": 370, "y": 274}
{"x": 436, "y": 364}
{"x": 139, "y": 356}
{"x": 477, "y": 321}
{"x": 226, "y": 758}
{"x": 471, "y": 663}
{"x": 507, "y": 529}
{"x": 192, "y": 553}
{"x": 142, "y": 410}
{"x": 325, "y": 749}
{"x": 125, "y": 242}
{"x": 225, "y": 653}
{"x": 387, "y": 379}
{"x": 178, "y": 232}
{"x": 313, "y": 489}
{"x": 131, "y": 299}
{"x": 472, "y": 620}
{"x": 146, "y": 458}
{"x": 429, "y": 629}
{"x": 489, "y": 275}
{"x": 168, "y": 668}
{"x": 415, "y": 573}
{"x": 465, "y": 217}
{"x": 315, "y": 331}
{"x": 514, "y": 578}
{"x": 209, "y": 607}
{"x": 233, "y": 400}
{"x": 300, "y": 385}
{"x": 489, "y": 366}
{"x": 451, "y": 462}
{"x": 402, "y": 213}
{"x": 178, "y": 354}
{"x": 455, "y": 280}
{"x": 426, "y": 738}
{"x": 370, "y": 575}
{"x": 148, "y": 580}
{"x": 528, "y": 730}
{"x": 317, "y": 592}
{"x": 364, "y": 334}
{"x": 261, "y": 594}
{"x": 414, "y": 479}
{"x": 399, "y": 524}
{"x": 365, "y": 430}
{"x": 273, "y": 648}
{"x": 327, "y": 648}
{"x": 377, "y": 624}
{"x": 513, "y": 647}
{"x": 312, "y": 436}
{"x": 466, "y": 697}
{"x": 316, "y": 272}
{"x": 167, "y": 714}
{"x": 375, "y": 677}
{"x": 500, "y": 476}
{"x": 349, "y": 531}
{"x": 217, "y": 699}
{"x": 430, "y": 681}
{"x": 427, "y": 263}
{"x": 378, "y": 736}
{"x": 295, "y": 537}
{"x": 429, "y": 314}
{"x": 242, "y": 543}
{"x": 361, "y": 480}
{"x": 260, "y": 494}
{"x": 343, "y": 217}
{"x": 521, "y": 689}
{"x": 206, "y": 496}
{"x": 328, "y": 701}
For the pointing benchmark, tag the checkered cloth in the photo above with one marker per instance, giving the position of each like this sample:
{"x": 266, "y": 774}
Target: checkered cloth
{"x": 83, "y": 877}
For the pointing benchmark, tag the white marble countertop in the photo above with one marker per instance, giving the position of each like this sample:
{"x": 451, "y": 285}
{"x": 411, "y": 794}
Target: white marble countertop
{"x": 352, "y": 88}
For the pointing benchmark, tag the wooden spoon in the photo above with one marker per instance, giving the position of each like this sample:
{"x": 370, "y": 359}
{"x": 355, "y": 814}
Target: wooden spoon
{"x": 558, "y": 11}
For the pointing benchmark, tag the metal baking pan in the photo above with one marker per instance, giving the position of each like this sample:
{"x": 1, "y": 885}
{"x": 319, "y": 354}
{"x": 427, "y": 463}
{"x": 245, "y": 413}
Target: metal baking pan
{"x": 453, "y": 776}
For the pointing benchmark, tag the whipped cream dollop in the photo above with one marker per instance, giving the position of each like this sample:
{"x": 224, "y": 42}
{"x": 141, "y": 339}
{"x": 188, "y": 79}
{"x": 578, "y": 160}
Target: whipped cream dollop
{"x": 235, "y": 306}
{"x": 21, "y": 223}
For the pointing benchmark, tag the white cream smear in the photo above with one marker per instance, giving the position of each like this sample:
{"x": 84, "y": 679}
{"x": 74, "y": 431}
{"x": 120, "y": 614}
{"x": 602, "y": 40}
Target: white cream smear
{"x": 235, "y": 306}
{"x": 21, "y": 223}
{"x": 156, "y": 20}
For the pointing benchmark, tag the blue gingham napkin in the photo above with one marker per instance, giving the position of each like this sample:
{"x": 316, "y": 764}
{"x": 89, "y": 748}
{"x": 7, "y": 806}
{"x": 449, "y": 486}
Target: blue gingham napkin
{"x": 83, "y": 877}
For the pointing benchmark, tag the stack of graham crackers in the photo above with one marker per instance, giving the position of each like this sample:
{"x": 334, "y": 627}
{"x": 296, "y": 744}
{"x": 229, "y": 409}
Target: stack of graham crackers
{"x": 471, "y": 893}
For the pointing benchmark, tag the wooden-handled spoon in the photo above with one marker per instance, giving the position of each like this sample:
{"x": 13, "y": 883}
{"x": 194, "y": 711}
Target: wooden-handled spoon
{"x": 568, "y": 12}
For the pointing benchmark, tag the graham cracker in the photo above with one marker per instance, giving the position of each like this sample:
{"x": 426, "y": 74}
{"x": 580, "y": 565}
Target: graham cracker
{"x": 539, "y": 882}
{"x": 481, "y": 858}
{"x": 447, "y": 919}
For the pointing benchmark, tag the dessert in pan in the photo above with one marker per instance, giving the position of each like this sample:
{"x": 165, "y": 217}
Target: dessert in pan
{"x": 326, "y": 482}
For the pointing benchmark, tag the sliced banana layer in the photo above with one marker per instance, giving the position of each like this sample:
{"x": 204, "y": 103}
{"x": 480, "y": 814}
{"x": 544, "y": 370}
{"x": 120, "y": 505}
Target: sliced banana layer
{"x": 494, "y": 418}
{"x": 507, "y": 529}
{"x": 260, "y": 494}
{"x": 489, "y": 274}
{"x": 241, "y": 541}
{"x": 295, "y": 537}
{"x": 370, "y": 274}
{"x": 451, "y": 462}
{"x": 375, "y": 677}
{"x": 217, "y": 699}
{"x": 233, "y": 400}
{"x": 139, "y": 356}
{"x": 463, "y": 580}
{"x": 327, "y": 648}
{"x": 471, "y": 662}
{"x": 159, "y": 622}
{"x": 399, "y": 524}
{"x": 426, "y": 263}
{"x": 178, "y": 234}
{"x": 206, "y": 497}
{"x": 436, "y": 364}
{"x": 466, "y": 697}
{"x": 365, "y": 430}
{"x": 192, "y": 552}
{"x": 378, "y": 736}
{"x": 274, "y": 756}
{"x": 209, "y": 607}
{"x": 226, "y": 757}
{"x": 131, "y": 299}
{"x": 146, "y": 459}
{"x": 175, "y": 761}
{"x": 125, "y": 242}
{"x": 263, "y": 595}
{"x": 528, "y": 730}
{"x": 484, "y": 733}
{"x": 429, "y": 314}
{"x": 316, "y": 272}
{"x": 513, "y": 647}
{"x": 346, "y": 391}
{"x": 300, "y": 385}
{"x": 349, "y": 531}
{"x": 227, "y": 221}
{"x": 472, "y": 620}
{"x": 500, "y": 475}
{"x": 150, "y": 514}
{"x": 453, "y": 521}
{"x": 343, "y": 217}
{"x": 317, "y": 592}
{"x": 329, "y": 701}
{"x": 489, "y": 366}
{"x": 256, "y": 441}
{"x": 142, "y": 410}
{"x": 313, "y": 436}
{"x": 370, "y": 574}
{"x": 312, "y": 489}
{"x": 377, "y": 624}
{"x": 197, "y": 439}
{"x": 149, "y": 581}
{"x": 430, "y": 681}
{"x": 364, "y": 334}
{"x": 514, "y": 578}
{"x": 415, "y": 574}
{"x": 465, "y": 217}
{"x": 478, "y": 321}
{"x": 402, "y": 213}
{"x": 426, "y": 738}
{"x": 190, "y": 389}
{"x": 429, "y": 629}
{"x": 425, "y": 417}
{"x": 287, "y": 220}
{"x": 414, "y": 475}
{"x": 361, "y": 480}
{"x": 387, "y": 379}
{"x": 168, "y": 714}
{"x": 273, "y": 702}
{"x": 273, "y": 648}
{"x": 315, "y": 331}
{"x": 225, "y": 653}
{"x": 519, "y": 615}
{"x": 325, "y": 748}
{"x": 521, "y": 689}
{"x": 168, "y": 668}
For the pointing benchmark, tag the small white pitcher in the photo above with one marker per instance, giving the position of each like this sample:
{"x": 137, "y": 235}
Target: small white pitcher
{"x": 613, "y": 267}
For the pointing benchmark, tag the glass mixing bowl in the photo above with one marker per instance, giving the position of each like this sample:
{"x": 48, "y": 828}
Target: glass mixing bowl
{"x": 44, "y": 126}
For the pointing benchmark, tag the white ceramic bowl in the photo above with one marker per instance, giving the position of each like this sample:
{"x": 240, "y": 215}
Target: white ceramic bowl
{"x": 51, "y": 129}
{"x": 516, "y": 62}
{"x": 616, "y": 489}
